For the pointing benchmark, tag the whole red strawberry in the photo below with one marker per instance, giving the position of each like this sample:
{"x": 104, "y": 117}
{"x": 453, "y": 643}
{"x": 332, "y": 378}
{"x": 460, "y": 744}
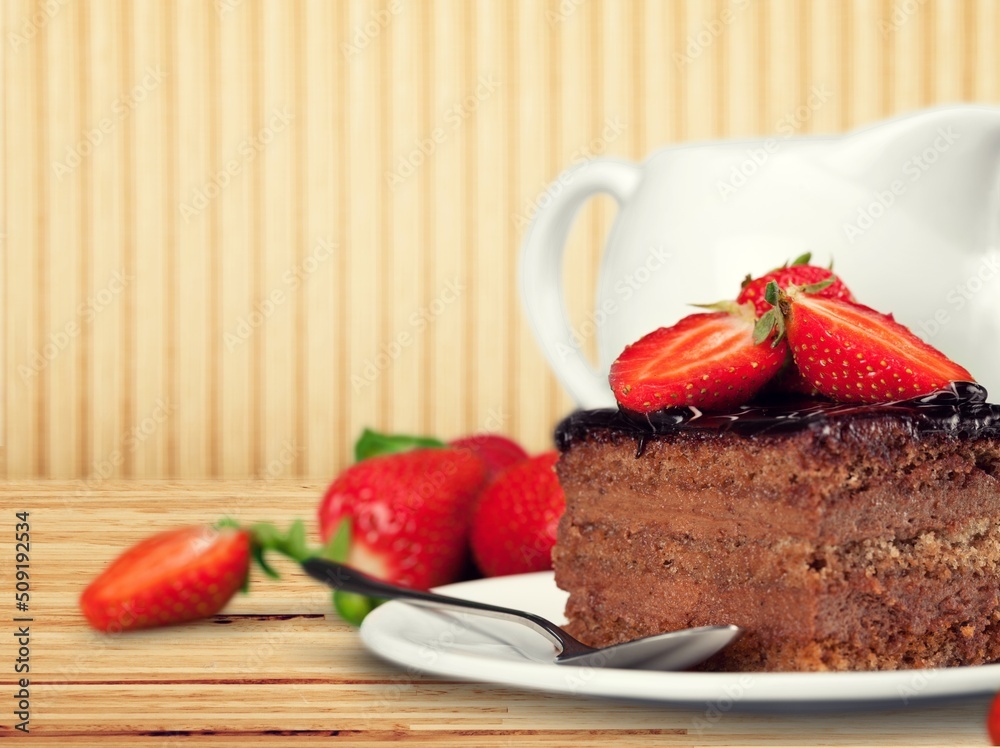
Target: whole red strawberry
{"x": 708, "y": 361}
{"x": 514, "y": 529}
{"x": 497, "y": 452}
{"x": 798, "y": 273}
{"x": 852, "y": 353}
{"x": 171, "y": 577}
{"x": 993, "y": 721}
{"x": 409, "y": 514}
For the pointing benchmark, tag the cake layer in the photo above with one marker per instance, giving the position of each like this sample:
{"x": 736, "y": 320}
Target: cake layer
{"x": 874, "y": 598}
{"x": 848, "y": 481}
{"x": 849, "y": 543}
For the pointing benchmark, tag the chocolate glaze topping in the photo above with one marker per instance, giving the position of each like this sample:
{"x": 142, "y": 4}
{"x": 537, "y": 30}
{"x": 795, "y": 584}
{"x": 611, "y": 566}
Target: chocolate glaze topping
{"x": 959, "y": 409}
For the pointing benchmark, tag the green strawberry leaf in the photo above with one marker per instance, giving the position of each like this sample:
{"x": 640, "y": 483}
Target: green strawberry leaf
{"x": 773, "y": 319}
{"x": 373, "y": 444}
{"x": 267, "y": 535}
{"x": 802, "y": 259}
{"x": 772, "y": 293}
{"x": 295, "y": 541}
{"x": 817, "y": 287}
{"x": 257, "y": 552}
{"x": 340, "y": 542}
{"x": 764, "y": 326}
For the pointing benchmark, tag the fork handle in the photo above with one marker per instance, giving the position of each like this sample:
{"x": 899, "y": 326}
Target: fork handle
{"x": 343, "y": 577}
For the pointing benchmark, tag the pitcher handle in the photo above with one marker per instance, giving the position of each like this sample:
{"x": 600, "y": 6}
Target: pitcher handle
{"x": 541, "y": 280}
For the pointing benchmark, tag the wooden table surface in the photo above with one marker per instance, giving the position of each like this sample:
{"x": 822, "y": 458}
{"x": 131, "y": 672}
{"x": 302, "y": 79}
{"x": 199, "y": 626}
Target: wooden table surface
{"x": 280, "y": 668}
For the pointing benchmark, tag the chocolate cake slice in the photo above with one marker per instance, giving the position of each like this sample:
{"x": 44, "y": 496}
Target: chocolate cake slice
{"x": 841, "y": 537}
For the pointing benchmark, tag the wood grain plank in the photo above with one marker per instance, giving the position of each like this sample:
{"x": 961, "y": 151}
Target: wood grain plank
{"x": 281, "y": 123}
{"x": 23, "y": 210}
{"x": 230, "y": 649}
{"x": 614, "y": 134}
{"x": 341, "y": 449}
{"x": 112, "y": 102}
{"x": 950, "y": 41}
{"x": 866, "y": 47}
{"x": 467, "y": 709}
{"x": 411, "y": 152}
{"x": 389, "y": 736}
{"x": 237, "y": 295}
{"x": 605, "y": 23}
{"x": 362, "y": 244}
{"x": 3, "y": 250}
{"x": 254, "y": 67}
{"x": 147, "y": 320}
{"x": 447, "y": 250}
{"x": 215, "y": 336}
{"x": 320, "y": 277}
{"x": 479, "y": 116}
{"x": 986, "y": 75}
{"x": 197, "y": 189}
{"x": 907, "y": 49}
{"x": 538, "y": 152}
{"x": 742, "y": 39}
{"x": 576, "y": 56}
{"x": 659, "y": 62}
{"x": 787, "y": 85}
{"x": 300, "y": 239}
{"x": 824, "y": 42}
{"x": 65, "y": 134}
{"x": 701, "y": 74}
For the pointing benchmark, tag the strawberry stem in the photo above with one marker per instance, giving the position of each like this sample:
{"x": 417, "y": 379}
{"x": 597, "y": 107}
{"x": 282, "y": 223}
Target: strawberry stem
{"x": 350, "y": 606}
{"x": 292, "y": 543}
{"x": 772, "y": 320}
{"x": 353, "y": 607}
{"x": 266, "y": 537}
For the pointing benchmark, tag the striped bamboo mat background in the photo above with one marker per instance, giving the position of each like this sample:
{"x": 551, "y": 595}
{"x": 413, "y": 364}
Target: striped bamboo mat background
{"x": 234, "y": 232}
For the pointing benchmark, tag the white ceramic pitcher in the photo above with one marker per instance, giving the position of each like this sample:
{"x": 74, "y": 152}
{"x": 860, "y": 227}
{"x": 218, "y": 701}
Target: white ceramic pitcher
{"x": 908, "y": 210}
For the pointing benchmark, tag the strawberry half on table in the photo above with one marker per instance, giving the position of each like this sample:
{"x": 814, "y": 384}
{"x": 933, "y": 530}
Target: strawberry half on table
{"x": 172, "y": 577}
{"x": 189, "y": 573}
{"x": 707, "y": 361}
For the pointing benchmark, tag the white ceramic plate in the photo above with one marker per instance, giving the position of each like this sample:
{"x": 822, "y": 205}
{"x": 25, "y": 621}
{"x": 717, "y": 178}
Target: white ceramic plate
{"x": 481, "y": 649}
